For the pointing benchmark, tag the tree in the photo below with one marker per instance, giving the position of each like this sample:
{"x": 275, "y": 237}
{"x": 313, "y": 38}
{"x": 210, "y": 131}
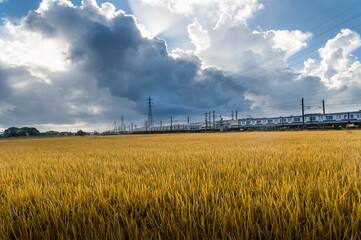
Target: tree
{"x": 80, "y": 133}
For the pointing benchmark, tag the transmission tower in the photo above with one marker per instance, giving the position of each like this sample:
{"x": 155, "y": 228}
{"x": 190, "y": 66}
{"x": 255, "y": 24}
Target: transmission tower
{"x": 150, "y": 114}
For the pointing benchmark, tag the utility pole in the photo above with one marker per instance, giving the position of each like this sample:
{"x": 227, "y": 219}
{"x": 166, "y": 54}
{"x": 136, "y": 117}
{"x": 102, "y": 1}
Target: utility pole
{"x": 122, "y": 123}
{"x": 214, "y": 116}
{"x": 206, "y": 120}
{"x": 171, "y": 123}
{"x": 160, "y": 122}
{"x": 323, "y": 107}
{"x": 236, "y": 115}
{"x": 209, "y": 119}
{"x": 188, "y": 119}
{"x": 150, "y": 114}
{"x": 232, "y": 115}
{"x": 303, "y": 113}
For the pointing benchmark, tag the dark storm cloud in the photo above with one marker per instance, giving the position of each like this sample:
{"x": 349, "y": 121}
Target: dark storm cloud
{"x": 135, "y": 67}
{"x": 4, "y": 90}
{"x": 34, "y": 22}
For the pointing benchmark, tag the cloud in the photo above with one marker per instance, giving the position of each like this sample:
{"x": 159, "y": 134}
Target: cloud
{"x": 289, "y": 41}
{"x": 231, "y": 46}
{"x": 338, "y": 67}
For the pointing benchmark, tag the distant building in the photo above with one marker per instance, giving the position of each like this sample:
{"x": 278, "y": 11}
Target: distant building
{"x": 66, "y": 133}
{"x": 52, "y": 133}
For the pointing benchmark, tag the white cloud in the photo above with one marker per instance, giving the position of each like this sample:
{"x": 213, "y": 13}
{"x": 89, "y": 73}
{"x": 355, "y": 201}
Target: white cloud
{"x": 198, "y": 36}
{"x": 289, "y": 41}
{"x": 338, "y": 67}
{"x": 231, "y": 46}
{"x": 25, "y": 50}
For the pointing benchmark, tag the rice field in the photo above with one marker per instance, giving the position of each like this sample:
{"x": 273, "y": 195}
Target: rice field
{"x": 254, "y": 185}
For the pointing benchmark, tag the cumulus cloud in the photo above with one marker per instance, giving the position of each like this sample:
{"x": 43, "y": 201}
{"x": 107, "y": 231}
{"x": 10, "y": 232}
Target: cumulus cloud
{"x": 338, "y": 67}
{"x": 289, "y": 41}
{"x": 231, "y": 46}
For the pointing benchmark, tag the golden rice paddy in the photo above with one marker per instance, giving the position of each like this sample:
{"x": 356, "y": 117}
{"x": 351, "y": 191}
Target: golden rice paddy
{"x": 270, "y": 185}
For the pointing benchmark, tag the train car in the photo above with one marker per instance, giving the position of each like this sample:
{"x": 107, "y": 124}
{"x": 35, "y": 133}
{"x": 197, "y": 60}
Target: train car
{"x": 196, "y": 126}
{"x": 355, "y": 117}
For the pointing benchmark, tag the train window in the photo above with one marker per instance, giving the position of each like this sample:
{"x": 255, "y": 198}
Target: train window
{"x": 320, "y": 118}
{"x": 248, "y": 122}
{"x": 259, "y": 121}
{"x": 351, "y": 116}
{"x": 329, "y": 117}
{"x": 312, "y": 118}
{"x": 297, "y": 119}
{"x": 270, "y": 121}
{"x": 345, "y": 116}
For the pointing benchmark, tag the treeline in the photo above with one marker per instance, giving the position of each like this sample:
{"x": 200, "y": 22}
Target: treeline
{"x": 20, "y": 132}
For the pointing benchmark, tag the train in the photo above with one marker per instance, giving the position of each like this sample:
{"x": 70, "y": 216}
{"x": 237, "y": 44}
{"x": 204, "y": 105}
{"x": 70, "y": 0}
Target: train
{"x": 315, "y": 120}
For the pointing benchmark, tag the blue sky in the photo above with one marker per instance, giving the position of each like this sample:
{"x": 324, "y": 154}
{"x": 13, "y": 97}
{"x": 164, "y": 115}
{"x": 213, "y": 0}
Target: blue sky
{"x": 71, "y": 66}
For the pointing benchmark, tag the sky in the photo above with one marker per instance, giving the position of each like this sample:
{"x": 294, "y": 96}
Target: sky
{"x": 67, "y": 65}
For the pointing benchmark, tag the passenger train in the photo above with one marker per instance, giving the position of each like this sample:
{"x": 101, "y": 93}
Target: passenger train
{"x": 310, "y": 121}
